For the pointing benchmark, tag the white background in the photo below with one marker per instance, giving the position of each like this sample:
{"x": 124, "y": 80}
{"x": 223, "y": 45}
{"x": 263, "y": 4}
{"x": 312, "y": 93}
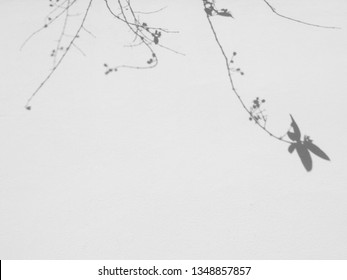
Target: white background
{"x": 164, "y": 163}
{"x": 271, "y": 270}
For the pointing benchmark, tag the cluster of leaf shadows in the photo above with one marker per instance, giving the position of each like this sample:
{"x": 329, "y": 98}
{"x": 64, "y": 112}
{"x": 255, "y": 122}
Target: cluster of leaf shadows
{"x": 210, "y": 9}
{"x": 150, "y": 37}
{"x": 303, "y": 148}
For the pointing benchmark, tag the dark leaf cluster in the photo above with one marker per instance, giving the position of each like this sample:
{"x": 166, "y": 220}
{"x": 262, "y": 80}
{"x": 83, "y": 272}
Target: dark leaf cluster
{"x": 303, "y": 148}
{"x": 211, "y": 10}
{"x": 257, "y": 112}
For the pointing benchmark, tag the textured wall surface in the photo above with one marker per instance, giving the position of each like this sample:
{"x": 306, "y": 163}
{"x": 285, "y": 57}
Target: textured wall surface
{"x": 164, "y": 163}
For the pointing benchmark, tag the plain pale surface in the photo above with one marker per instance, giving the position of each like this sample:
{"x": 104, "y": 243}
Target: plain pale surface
{"x": 164, "y": 163}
